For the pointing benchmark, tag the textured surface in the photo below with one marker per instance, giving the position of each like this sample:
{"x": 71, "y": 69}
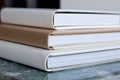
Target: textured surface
{"x": 13, "y": 71}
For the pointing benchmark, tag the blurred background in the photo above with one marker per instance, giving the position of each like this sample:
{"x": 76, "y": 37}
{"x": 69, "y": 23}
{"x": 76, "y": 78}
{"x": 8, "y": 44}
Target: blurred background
{"x": 32, "y": 3}
{"x": 110, "y": 5}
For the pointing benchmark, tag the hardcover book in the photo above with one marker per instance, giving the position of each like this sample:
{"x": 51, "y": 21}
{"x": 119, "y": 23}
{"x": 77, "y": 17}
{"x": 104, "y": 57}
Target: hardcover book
{"x": 54, "y": 60}
{"x": 58, "y": 39}
{"x": 60, "y": 18}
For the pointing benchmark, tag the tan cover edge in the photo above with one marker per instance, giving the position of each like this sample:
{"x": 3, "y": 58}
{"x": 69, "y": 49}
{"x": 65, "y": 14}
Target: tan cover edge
{"x": 25, "y": 35}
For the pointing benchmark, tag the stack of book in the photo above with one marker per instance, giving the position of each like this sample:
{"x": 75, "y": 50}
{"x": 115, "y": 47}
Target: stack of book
{"x": 58, "y": 39}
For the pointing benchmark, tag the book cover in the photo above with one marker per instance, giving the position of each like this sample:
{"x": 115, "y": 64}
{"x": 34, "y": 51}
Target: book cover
{"x": 57, "y": 39}
{"x": 60, "y": 18}
{"x": 54, "y": 60}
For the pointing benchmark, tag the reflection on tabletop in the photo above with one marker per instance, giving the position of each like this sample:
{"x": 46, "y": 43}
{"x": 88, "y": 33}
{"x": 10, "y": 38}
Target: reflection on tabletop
{"x": 14, "y": 71}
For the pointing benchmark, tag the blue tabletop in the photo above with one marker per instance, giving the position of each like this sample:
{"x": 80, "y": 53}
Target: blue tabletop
{"x": 13, "y": 71}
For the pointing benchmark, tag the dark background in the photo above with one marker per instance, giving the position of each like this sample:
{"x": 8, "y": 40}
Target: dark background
{"x": 38, "y": 4}
{"x": 1, "y": 3}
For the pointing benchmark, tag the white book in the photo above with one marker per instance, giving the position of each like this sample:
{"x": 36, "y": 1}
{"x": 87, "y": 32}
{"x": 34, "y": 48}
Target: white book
{"x": 60, "y": 18}
{"x": 53, "y": 60}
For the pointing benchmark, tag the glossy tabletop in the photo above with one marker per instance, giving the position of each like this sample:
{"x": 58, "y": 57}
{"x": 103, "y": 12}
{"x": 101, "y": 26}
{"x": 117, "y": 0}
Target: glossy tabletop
{"x": 13, "y": 71}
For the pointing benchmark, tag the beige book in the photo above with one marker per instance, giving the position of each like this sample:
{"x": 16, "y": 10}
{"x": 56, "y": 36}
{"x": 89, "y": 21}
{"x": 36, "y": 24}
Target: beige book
{"x": 57, "y": 39}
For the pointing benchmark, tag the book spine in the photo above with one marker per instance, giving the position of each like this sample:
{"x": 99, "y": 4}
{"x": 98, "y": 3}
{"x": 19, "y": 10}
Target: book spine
{"x": 23, "y": 54}
{"x": 30, "y": 17}
{"x": 25, "y": 35}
